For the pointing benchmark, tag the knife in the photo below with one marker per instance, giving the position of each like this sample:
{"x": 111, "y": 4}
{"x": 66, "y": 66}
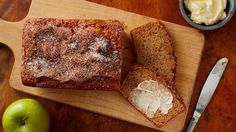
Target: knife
{"x": 207, "y": 91}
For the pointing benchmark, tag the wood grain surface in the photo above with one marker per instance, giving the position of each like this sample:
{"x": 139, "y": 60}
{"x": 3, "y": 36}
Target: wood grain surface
{"x": 109, "y": 103}
{"x": 220, "y": 114}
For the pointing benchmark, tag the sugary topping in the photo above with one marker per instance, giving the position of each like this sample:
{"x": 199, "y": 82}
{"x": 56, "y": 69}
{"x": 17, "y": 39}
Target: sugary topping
{"x": 73, "y": 45}
{"x": 38, "y": 63}
{"x": 99, "y": 43}
{"x": 77, "y": 51}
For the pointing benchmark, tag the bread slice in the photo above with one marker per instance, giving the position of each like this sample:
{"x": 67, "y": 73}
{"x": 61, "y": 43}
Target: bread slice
{"x": 139, "y": 74}
{"x": 153, "y": 48}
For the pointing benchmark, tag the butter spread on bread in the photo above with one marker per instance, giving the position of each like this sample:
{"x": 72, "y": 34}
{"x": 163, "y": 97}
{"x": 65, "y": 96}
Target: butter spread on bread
{"x": 150, "y": 96}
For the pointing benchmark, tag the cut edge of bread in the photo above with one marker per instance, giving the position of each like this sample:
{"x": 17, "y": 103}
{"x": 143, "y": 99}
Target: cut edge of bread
{"x": 146, "y": 28}
{"x": 131, "y": 82}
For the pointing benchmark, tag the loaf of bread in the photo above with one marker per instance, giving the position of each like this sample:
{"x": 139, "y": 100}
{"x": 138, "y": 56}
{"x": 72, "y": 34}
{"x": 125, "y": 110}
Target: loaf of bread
{"x": 136, "y": 78}
{"x": 153, "y": 48}
{"x": 78, "y": 54}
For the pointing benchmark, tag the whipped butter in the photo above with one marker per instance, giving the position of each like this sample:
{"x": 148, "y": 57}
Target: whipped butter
{"x": 150, "y": 96}
{"x": 206, "y": 12}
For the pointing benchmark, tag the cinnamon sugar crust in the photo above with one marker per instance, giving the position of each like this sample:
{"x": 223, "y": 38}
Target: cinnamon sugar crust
{"x": 80, "y": 54}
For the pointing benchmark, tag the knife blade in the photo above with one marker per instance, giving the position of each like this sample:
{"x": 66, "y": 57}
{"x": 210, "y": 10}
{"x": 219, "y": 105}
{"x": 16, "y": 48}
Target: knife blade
{"x": 208, "y": 90}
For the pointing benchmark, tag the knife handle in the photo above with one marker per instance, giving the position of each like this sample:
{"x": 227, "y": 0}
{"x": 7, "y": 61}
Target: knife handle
{"x": 193, "y": 121}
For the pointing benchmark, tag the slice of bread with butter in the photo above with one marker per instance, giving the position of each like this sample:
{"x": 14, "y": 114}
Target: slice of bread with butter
{"x": 151, "y": 95}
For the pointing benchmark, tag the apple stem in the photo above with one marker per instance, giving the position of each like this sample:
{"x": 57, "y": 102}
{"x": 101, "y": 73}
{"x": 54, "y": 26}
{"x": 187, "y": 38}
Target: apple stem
{"x": 24, "y": 120}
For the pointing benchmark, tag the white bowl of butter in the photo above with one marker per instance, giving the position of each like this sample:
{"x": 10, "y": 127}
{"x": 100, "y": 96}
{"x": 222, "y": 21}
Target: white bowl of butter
{"x": 207, "y": 14}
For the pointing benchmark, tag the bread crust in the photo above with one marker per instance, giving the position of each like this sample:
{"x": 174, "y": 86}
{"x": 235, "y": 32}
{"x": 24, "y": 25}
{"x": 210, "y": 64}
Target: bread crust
{"x": 72, "y": 53}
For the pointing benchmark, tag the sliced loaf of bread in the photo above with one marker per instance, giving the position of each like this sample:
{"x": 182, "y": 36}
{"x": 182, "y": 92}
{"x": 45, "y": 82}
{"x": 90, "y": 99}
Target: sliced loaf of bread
{"x": 140, "y": 74}
{"x": 153, "y": 48}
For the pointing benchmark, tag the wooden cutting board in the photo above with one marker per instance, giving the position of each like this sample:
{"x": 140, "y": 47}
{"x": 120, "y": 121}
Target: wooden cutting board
{"x": 188, "y": 45}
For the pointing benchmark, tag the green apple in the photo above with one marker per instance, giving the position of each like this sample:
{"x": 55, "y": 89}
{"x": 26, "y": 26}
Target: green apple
{"x": 25, "y": 115}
